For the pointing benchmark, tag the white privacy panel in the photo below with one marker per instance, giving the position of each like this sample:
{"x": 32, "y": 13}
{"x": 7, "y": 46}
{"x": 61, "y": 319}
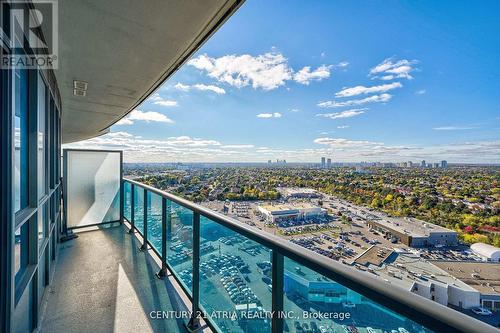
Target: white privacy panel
{"x": 92, "y": 187}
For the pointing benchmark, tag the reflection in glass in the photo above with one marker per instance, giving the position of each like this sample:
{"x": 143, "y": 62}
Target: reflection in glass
{"x": 20, "y": 250}
{"x": 139, "y": 208}
{"x": 126, "y": 202}
{"x": 20, "y": 138}
{"x": 235, "y": 275}
{"x": 180, "y": 242}
{"x": 42, "y": 218}
{"x": 154, "y": 221}
{"x": 42, "y": 181}
{"x": 307, "y": 291}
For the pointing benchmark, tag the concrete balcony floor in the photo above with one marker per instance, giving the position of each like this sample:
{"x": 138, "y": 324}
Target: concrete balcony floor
{"x": 103, "y": 283}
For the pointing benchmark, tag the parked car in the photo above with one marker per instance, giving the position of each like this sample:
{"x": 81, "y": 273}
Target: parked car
{"x": 348, "y": 305}
{"x": 481, "y": 311}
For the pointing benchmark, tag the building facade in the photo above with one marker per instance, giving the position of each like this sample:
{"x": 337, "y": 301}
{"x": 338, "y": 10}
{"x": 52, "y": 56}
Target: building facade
{"x": 284, "y": 213}
{"x": 415, "y": 233}
{"x": 30, "y": 184}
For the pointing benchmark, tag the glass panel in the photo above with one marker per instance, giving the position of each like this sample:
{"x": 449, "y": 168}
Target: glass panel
{"x": 235, "y": 275}
{"x": 53, "y": 143}
{"x": 42, "y": 224}
{"x": 309, "y": 294}
{"x": 41, "y": 276}
{"x": 42, "y": 130}
{"x": 93, "y": 187}
{"x": 20, "y": 139}
{"x": 154, "y": 221}
{"x": 139, "y": 208}
{"x": 180, "y": 240}
{"x": 21, "y": 250}
{"x": 126, "y": 204}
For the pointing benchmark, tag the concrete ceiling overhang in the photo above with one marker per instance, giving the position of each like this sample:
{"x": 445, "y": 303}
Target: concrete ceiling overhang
{"x": 125, "y": 49}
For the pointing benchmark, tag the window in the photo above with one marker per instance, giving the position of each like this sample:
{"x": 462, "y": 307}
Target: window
{"x": 20, "y": 250}
{"x": 42, "y": 224}
{"x": 20, "y": 107}
{"x": 42, "y": 140}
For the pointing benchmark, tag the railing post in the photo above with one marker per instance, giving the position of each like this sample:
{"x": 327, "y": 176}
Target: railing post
{"x": 144, "y": 245}
{"x": 277, "y": 291}
{"x": 165, "y": 207}
{"x": 194, "y": 322}
{"x": 132, "y": 208}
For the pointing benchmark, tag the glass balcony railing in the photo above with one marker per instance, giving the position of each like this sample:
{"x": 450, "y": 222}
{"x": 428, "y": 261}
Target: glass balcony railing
{"x": 241, "y": 279}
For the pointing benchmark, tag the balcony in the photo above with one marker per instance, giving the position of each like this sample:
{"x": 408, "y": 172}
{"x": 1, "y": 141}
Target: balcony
{"x": 104, "y": 283}
{"x": 165, "y": 253}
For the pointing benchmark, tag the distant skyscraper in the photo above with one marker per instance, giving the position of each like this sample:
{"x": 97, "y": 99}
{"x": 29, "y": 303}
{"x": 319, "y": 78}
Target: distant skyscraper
{"x": 329, "y": 163}
{"x": 410, "y": 164}
{"x": 322, "y": 162}
{"x": 423, "y": 164}
{"x": 444, "y": 164}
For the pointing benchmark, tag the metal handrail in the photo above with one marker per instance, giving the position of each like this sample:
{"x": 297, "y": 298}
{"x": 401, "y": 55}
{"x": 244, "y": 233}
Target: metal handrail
{"x": 430, "y": 314}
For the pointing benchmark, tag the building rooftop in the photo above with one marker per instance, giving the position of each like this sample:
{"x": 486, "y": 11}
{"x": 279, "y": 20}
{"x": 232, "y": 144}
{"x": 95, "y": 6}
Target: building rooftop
{"x": 482, "y": 276}
{"x": 485, "y": 250}
{"x": 407, "y": 225}
{"x": 408, "y": 268}
{"x": 289, "y": 207}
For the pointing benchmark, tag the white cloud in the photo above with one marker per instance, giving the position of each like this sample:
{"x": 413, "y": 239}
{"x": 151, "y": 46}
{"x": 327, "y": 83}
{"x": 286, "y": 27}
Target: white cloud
{"x": 453, "y": 128}
{"x": 420, "y": 92}
{"x": 167, "y": 103}
{"x": 305, "y": 75}
{"x": 267, "y": 71}
{"x": 382, "y": 98}
{"x": 210, "y": 87}
{"x": 147, "y": 116}
{"x": 182, "y": 87}
{"x": 269, "y": 115}
{"x": 201, "y": 87}
{"x": 358, "y": 90}
{"x": 342, "y": 64}
{"x": 238, "y": 146}
{"x": 124, "y": 121}
{"x": 190, "y": 149}
{"x": 390, "y": 69}
{"x": 343, "y": 114}
{"x": 158, "y": 100}
{"x": 294, "y": 110}
{"x": 343, "y": 143}
{"x": 343, "y": 126}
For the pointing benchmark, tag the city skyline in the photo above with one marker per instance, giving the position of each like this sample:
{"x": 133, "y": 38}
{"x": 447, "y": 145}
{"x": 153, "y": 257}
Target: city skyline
{"x": 350, "y": 85}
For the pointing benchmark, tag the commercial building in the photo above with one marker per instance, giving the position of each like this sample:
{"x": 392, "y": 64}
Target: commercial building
{"x": 288, "y": 212}
{"x": 484, "y": 277}
{"x": 429, "y": 280}
{"x": 329, "y": 163}
{"x": 413, "y": 232}
{"x": 323, "y": 162}
{"x": 444, "y": 164}
{"x": 486, "y": 251}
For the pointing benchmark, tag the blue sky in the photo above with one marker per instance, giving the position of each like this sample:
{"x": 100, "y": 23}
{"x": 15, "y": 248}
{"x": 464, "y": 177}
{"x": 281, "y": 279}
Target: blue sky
{"x": 350, "y": 80}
